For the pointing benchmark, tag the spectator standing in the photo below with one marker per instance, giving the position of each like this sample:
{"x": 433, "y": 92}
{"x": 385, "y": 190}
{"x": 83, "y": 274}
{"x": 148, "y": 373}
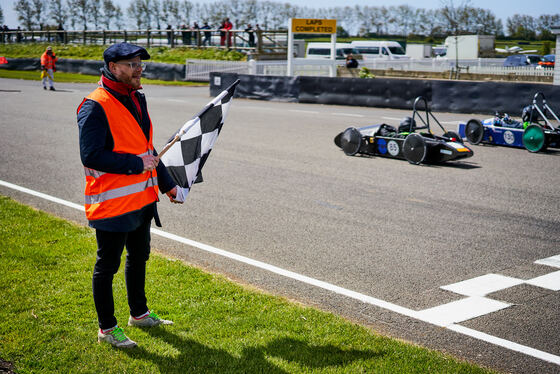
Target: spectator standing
{"x": 207, "y": 34}
{"x": 169, "y": 34}
{"x": 351, "y": 62}
{"x": 186, "y": 34}
{"x": 60, "y": 33}
{"x": 225, "y": 32}
{"x": 249, "y": 30}
{"x": 48, "y": 67}
{"x": 196, "y": 34}
{"x": 116, "y": 149}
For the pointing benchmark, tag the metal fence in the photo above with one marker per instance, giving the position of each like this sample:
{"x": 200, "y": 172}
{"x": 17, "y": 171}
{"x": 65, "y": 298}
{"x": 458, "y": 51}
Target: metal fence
{"x": 492, "y": 66}
{"x": 199, "y": 70}
{"x": 257, "y": 41}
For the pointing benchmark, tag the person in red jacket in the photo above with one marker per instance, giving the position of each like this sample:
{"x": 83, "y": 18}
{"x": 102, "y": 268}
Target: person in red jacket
{"x": 225, "y": 29}
{"x": 48, "y": 67}
{"x": 123, "y": 178}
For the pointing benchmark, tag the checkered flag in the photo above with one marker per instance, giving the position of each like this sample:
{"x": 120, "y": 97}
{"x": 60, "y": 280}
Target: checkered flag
{"x": 188, "y": 149}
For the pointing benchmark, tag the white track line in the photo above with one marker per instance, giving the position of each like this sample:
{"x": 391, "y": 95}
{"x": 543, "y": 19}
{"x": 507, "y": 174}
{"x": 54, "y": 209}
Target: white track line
{"x": 303, "y": 111}
{"x": 347, "y": 114}
{"x": 545, "y": 356}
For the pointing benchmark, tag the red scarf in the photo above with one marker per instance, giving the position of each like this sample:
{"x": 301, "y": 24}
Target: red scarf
{"x": 123, "y": 89}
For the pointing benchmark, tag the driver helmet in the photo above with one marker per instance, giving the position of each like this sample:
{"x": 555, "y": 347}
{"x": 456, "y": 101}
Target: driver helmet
{"x": 404, "y": 126}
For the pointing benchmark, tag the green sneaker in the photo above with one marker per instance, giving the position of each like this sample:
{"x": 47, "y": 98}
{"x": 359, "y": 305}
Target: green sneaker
{"x": 150, "y": 320}
{"x": 116, "y": 338}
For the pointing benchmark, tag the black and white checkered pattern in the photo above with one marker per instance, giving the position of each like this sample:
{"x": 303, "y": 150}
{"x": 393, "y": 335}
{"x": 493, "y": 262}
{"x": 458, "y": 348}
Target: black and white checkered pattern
{"x": 185, "y": 159}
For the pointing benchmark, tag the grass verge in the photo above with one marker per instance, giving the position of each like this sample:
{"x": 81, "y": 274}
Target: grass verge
{"x": 48, "y": 321}
{"x": 95, "y": 52}
{"x": 82, "y": 78}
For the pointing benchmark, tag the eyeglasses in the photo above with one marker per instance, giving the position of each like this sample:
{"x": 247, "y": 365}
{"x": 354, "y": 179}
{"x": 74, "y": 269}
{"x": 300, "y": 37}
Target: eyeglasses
{"x": 134, "y": 65}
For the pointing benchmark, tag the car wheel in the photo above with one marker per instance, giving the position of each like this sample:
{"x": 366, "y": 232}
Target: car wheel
{"x": 414, "y": 148}
{"x": 534, "y": 138}
{"x": 350, "y": 141}
{"x": 474, "y": 131}
{"x": 453, "y": 136}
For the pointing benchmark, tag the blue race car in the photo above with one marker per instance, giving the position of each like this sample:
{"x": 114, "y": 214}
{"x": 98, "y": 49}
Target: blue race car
{"x": 535, "y": 132}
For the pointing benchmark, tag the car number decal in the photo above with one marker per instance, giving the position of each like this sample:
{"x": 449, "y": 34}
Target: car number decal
{"x": 445, "y": 151}
{"x": 393, "y": 148}
{"x": 382, "y": 146}
{"x": 508, "y": 137}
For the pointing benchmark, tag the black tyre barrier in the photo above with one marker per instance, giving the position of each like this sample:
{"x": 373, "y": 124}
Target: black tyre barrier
{"x": 444, "y": 96}
{"x": 154, "y": 70}
{"x": 391, "y": 93}
{"x": 487, "y": 97}
{"x": 257, "y": 87}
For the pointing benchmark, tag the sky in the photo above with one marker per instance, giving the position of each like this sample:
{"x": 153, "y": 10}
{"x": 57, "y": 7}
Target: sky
{"x": 501, "y": 8}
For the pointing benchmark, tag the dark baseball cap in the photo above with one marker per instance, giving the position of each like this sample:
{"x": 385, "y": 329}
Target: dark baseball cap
{"x": 124, "y": 51}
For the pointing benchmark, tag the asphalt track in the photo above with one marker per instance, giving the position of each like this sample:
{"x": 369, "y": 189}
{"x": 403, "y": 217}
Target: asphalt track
{"x": 277, "y": 190}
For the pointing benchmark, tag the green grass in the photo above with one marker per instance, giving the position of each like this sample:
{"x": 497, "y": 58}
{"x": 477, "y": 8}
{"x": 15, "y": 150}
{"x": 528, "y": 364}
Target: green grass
{"x": 95, "y": 52}
{"x": 83, "y": 78}
{"x": 48, "y": 322}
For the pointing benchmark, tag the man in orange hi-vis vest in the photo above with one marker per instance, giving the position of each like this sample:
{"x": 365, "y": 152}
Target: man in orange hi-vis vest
{"x": 123, "y": 178}
{"x": 48, "y": 60}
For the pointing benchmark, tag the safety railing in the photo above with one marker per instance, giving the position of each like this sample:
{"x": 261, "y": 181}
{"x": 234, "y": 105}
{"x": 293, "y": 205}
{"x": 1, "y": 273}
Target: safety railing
{"x": 199, "y": 70}
{"x": 256, "y": 41}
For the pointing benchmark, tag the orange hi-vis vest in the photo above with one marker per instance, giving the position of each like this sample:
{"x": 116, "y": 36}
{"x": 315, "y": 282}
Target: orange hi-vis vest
{"x": 48, "y": 61}
{"x": 110, "y": 195}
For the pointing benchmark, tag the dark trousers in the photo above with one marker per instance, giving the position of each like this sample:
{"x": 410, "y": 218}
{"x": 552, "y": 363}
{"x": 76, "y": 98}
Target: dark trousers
{"x": 110, "y": 246}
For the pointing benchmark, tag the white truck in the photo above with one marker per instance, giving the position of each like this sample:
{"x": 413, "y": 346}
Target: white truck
{"x": 469, "y": 46}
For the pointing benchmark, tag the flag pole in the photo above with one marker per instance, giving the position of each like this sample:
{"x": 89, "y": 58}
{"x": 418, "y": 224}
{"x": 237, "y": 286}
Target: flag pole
{"x": 168, "y": 145}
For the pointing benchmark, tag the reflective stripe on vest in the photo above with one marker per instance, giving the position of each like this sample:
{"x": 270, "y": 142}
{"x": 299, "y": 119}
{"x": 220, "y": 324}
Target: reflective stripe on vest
{"x": 110, "y": 195}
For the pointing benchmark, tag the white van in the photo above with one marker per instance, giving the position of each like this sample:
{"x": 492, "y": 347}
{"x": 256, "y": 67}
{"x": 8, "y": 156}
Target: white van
{"x": 370, "y": 49}
{"x": 323, "y": 50}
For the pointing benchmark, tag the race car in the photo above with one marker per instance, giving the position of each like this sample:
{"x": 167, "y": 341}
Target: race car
{"x": 535, "y": 131}
{"x": 405, "y": 143}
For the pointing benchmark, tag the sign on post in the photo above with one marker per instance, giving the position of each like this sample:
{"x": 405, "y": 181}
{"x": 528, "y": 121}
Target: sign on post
{"x": 311, "y": 26}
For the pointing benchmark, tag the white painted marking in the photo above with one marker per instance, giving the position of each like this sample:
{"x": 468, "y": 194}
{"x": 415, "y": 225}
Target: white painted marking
{"x": 553, "y": 261}
{"x": 42, "y": 195}
{"x": 549, "y": 281}
{"x": 303, "y": 111}
{"x": 177, "y": 100}
{"x": 461, "y": 310}
{"x": 450, "y": 122}
{"x": 348, "y": 115}
{"x": 545, "y": 356}
{"x": 392, "y": 118}
{"x": 483, "y": 285}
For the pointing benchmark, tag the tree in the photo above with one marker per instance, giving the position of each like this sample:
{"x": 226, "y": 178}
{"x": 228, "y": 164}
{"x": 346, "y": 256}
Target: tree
{"x": 118, "y": 17}
{"x": 80, "y": 9}
{"x": 39, "y": 12}
{"x": 25, "y": 13}
{"x": 109, "y": 10}
{"x": 95, "y": 14}
{"x": 404, "y": 17}
{"x": 454, "y": 16}
{"x": 58, "y": 12}
{"x": 545, "y": 23}
{"x": 1, "y": 15}
{"x": 521, "y": 26}
{"x": 135, "y": 13}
